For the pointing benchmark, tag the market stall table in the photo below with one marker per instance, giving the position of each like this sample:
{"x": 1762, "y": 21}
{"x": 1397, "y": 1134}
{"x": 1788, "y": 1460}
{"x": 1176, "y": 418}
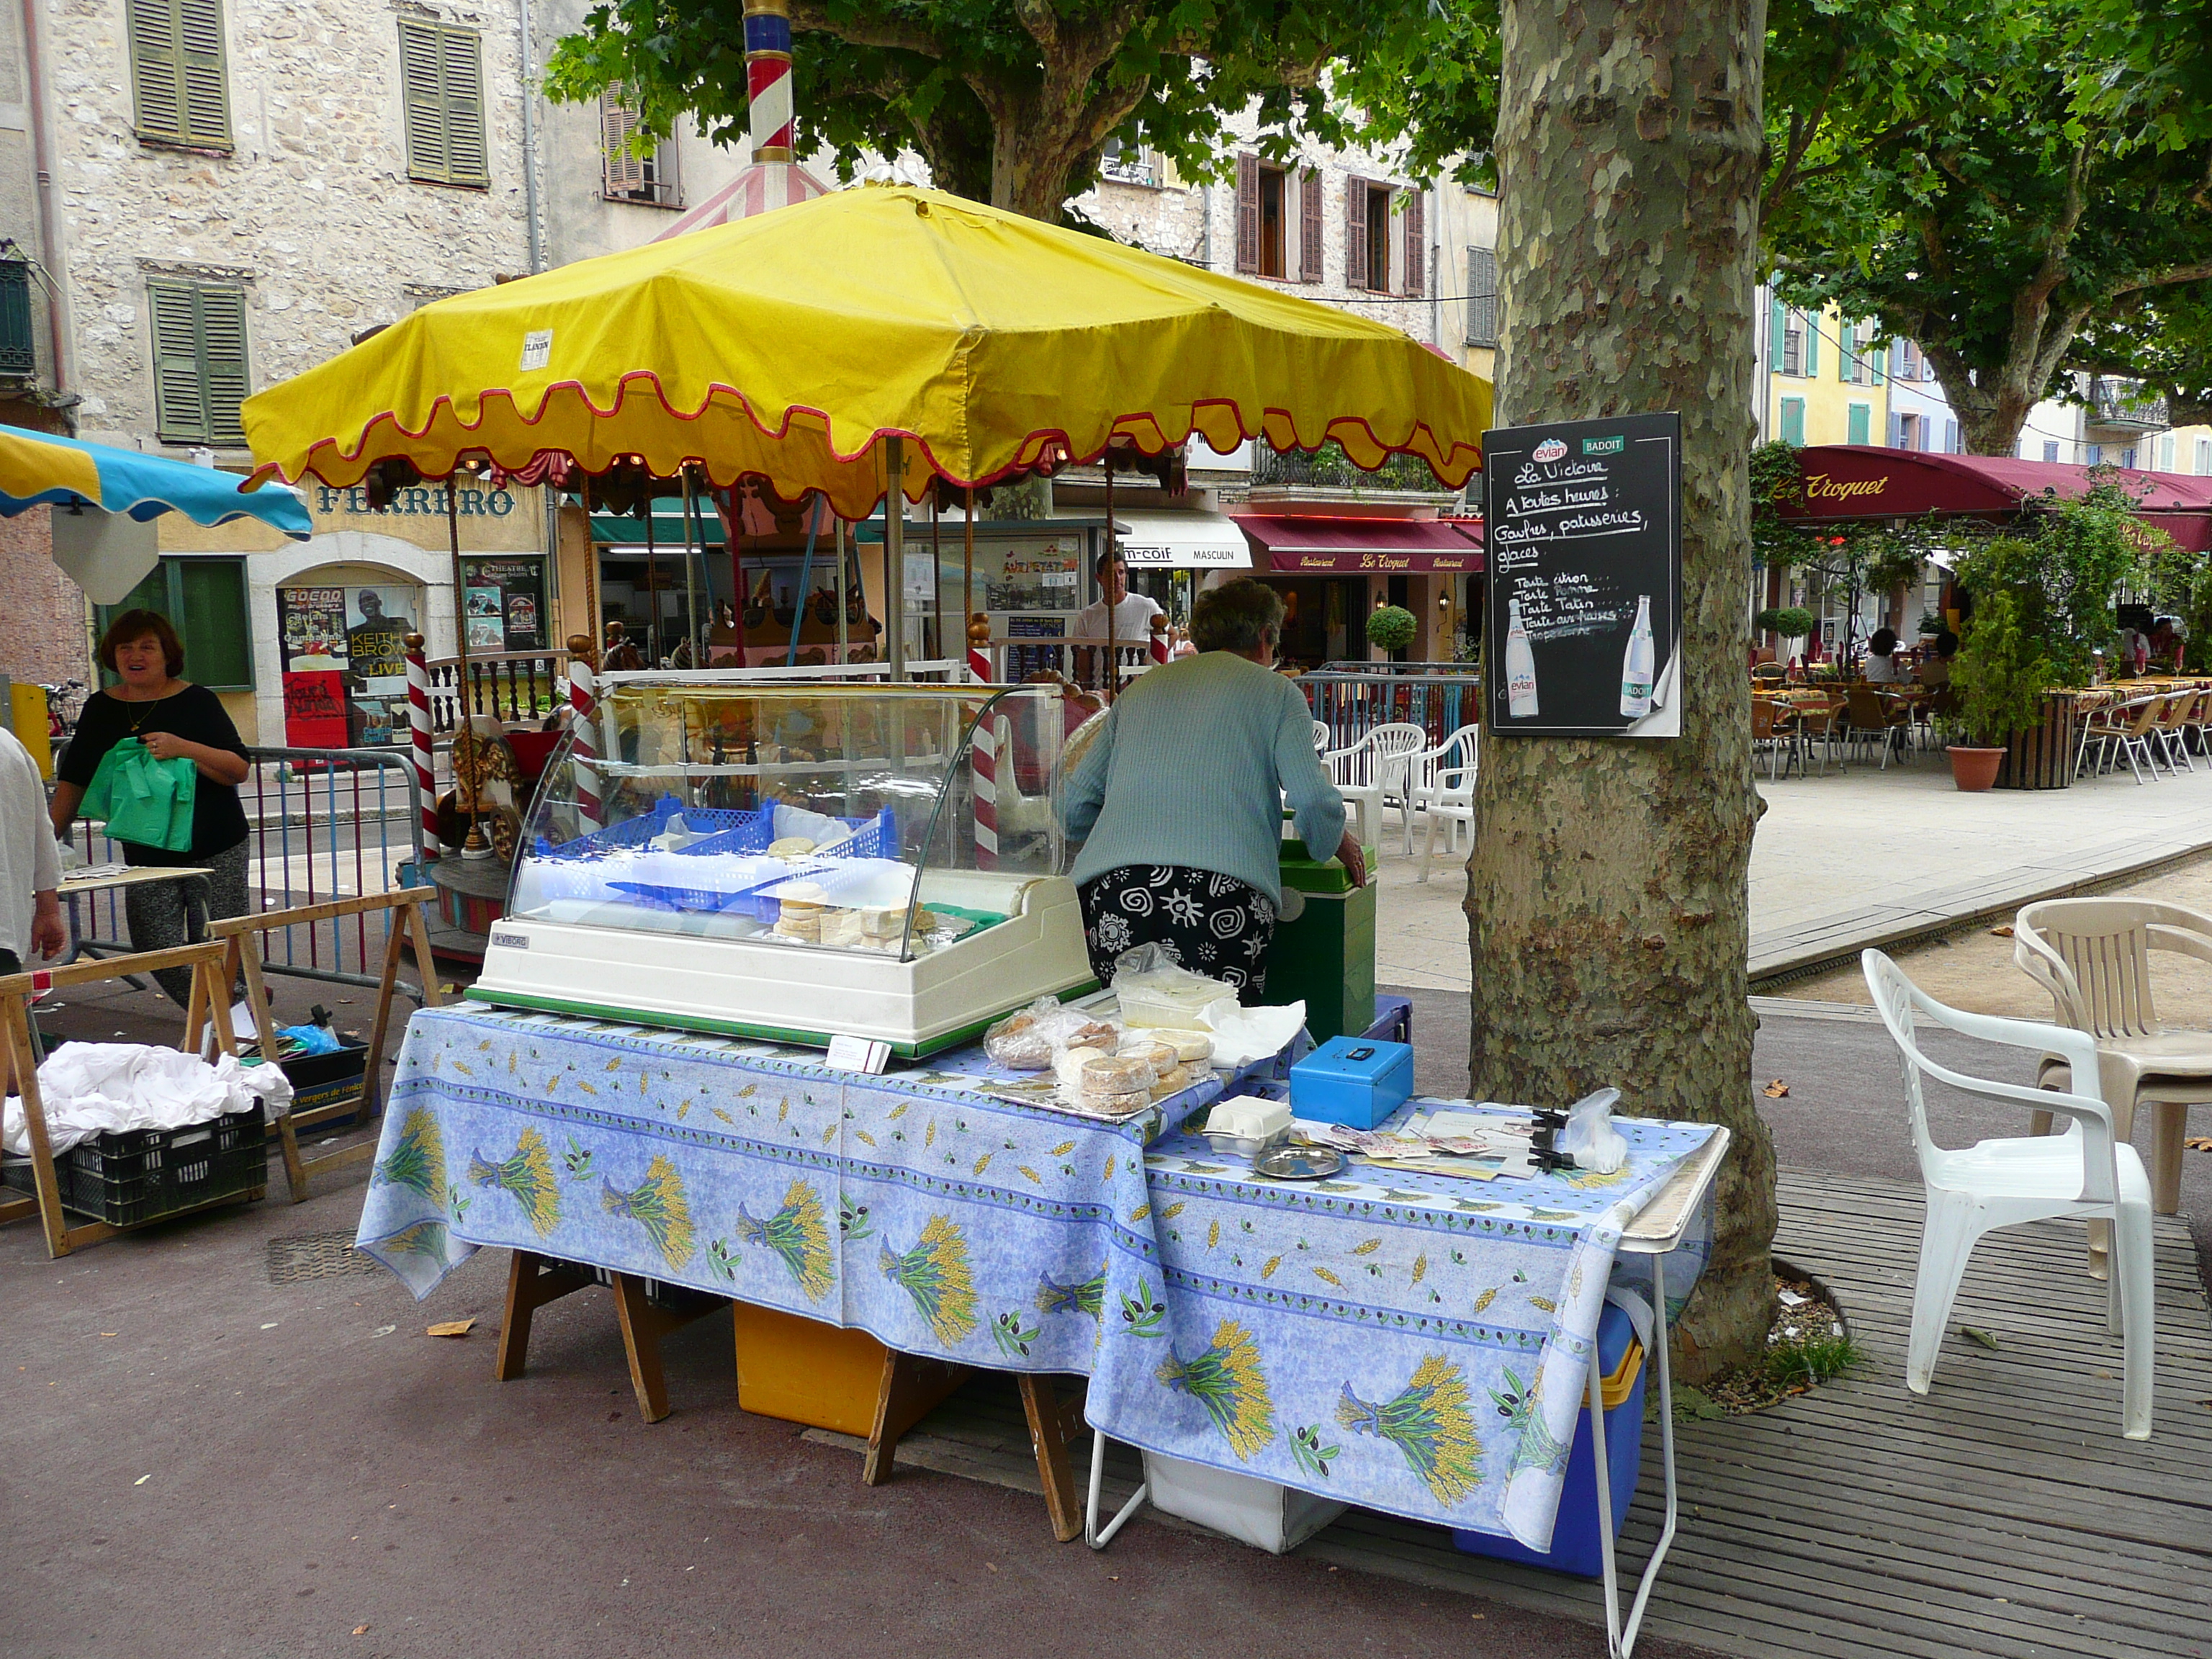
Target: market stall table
{"x": 950, "y": 1223}
{"x": 1411, "y": 1342}
{"x": 83, "y": 882}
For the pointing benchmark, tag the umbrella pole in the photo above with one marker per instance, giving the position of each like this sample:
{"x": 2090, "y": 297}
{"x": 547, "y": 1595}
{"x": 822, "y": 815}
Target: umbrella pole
{"x": 844, "y": 622}
{"x": 474, "y": 847}
{"x": 695, "y": 523}
{"x": 1113, "y": 651}
{"x": 937, "y": 569}
{"x": 968, "y": 579}
{"x": 895, "y": 556}
{"x": 652, "y": 583}
{"x": 691, "y": 647}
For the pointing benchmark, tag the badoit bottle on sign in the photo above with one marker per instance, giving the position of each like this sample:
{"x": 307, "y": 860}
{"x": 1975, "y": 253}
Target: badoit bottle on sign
{"x": 1635, "y": 665}
{"x": 1520, "y": 666}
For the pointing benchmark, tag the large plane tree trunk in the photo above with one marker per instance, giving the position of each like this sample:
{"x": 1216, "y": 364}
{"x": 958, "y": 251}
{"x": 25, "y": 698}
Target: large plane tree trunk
{"x": 1607, "y": 887}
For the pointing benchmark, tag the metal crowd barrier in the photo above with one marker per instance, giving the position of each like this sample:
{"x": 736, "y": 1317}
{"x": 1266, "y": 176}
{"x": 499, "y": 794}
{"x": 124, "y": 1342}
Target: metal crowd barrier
{"x": 1438, "y": 697}
{"x": 323, "y": 823}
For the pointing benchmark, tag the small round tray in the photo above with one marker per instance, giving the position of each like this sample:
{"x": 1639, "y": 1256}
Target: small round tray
{"x": 1298, "y": 1163}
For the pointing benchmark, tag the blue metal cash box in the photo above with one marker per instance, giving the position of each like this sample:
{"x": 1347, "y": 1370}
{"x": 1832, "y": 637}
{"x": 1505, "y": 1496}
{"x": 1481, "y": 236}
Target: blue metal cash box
{"x": 1356, "y": 1081}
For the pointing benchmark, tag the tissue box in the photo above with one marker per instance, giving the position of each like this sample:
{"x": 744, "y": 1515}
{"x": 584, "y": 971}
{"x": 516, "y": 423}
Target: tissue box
{"x": 1354, "y": 1081}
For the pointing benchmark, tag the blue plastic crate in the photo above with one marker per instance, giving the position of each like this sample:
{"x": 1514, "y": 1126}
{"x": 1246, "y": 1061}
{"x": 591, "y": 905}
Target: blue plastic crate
{"x": 1576, "y": 1547}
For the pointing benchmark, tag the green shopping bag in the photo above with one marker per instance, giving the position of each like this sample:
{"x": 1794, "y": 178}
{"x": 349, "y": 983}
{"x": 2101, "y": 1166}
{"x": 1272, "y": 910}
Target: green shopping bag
{"x": 144, "y": 801}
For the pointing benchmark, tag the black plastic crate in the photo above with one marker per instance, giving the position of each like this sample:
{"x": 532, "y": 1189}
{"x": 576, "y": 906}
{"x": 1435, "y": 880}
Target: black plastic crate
{"x": 319, "y": 1080}
{"x": 143, "y": 1175}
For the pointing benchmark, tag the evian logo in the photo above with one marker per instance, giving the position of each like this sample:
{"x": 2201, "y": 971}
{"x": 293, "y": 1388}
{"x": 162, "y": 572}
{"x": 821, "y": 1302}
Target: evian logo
{"x": 1552, "y": 449}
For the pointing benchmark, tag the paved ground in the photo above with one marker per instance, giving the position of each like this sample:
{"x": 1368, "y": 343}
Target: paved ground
{"x": 1859, "y": 856}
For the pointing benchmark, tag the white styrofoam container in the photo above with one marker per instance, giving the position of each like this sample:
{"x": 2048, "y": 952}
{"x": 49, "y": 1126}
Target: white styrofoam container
{"x": 1247, "y": 1509}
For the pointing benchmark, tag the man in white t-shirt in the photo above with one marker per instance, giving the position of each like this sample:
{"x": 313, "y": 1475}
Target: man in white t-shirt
{"x": 30, "y": 873}
{"x": 1133, "y": 618}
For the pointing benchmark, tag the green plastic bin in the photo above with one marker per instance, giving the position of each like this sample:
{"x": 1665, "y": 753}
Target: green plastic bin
{"x": 1324, "y": 953}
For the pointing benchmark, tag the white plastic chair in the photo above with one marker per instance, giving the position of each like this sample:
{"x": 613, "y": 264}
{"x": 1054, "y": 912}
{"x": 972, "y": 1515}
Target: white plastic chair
{"x": 1456, "y": 750}
{"x": 1365, "y": 772}
{"x": 2003, "y": 1183}
{"x": 1321, "y": 737}
{"x": 1451, "y": 803}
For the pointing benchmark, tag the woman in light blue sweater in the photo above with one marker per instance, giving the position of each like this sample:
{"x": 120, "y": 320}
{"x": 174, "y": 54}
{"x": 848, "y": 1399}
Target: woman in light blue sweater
{"x": 1181, "y": 797}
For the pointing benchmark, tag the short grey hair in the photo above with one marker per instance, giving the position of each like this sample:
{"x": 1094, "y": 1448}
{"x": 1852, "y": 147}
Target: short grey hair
{"x": 1232, "y": 616}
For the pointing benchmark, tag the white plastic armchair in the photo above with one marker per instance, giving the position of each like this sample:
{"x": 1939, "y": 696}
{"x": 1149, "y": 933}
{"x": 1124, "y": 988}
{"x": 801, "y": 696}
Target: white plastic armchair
{"x": 1451, "y": 799}
{"x": 1366, "y": 771}
{"x": 2083, "y": 1173}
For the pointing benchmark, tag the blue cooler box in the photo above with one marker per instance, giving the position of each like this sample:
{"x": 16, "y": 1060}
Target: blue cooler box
{"x": 1576, "y": 1546}
{"x": 1356, "y": 1081}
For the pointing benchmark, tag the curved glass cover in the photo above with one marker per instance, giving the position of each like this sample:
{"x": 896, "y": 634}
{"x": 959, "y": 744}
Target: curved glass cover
{"x": 891, "y": 819}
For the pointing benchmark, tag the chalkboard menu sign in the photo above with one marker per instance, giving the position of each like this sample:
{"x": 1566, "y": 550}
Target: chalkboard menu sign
{"x": 1583, "y": 528}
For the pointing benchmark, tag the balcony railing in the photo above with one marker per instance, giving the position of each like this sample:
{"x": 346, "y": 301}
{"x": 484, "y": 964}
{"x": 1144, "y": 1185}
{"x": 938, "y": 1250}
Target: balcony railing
{"x": 1329, "y": 468}
{"x": 2119, "y": 403}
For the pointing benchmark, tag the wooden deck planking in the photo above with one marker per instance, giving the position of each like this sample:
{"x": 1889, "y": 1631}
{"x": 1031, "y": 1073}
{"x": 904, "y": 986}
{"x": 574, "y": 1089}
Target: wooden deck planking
{"x": 2002, "y": 1514}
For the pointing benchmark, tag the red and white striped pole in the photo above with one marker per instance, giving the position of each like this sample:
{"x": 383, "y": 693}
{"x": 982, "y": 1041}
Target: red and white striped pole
{"x": 979, "y": 648}
{"x": 991, "y": 742}
{"x": 418, "y": 724}
{"x": 768, "y": 79}
{"x": 1159, "y": 638}
{"x": 583, "y": 703}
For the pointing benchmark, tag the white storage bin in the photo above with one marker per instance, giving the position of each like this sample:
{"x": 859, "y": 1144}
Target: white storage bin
{"x": 1249, "y": 1510}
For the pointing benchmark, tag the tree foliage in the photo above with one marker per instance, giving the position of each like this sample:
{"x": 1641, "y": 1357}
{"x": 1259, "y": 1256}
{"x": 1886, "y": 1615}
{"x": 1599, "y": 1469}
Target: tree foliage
{"x": 2011, "y": 177}
{"x": 1009, "y": 101}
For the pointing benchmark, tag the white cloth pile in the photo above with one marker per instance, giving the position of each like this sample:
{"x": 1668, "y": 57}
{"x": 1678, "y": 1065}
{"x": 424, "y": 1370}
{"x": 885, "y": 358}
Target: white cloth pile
{"x": 91, "y": 1089}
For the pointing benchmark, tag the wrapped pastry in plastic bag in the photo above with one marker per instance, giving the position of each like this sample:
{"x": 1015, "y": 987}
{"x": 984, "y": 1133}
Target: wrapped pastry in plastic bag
{"x": 1030, "y": 1039}
{"x": 1154, "y": 990}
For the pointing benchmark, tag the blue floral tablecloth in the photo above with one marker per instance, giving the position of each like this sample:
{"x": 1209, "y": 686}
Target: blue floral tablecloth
{"x": 1413, "y": 1343}
{"x": 1417, "y": 1348}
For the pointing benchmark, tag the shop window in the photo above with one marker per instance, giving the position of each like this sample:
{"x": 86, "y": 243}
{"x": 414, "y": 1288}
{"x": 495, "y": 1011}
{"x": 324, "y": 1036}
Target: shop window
{"x": 179, "y": 86}
{"x": 629, "y": 173}
{"x": 204, "y": 600}
{"x": 442, "y": 89}
{"x": 1481, "y": 296}
{"x": 200, "y": 372}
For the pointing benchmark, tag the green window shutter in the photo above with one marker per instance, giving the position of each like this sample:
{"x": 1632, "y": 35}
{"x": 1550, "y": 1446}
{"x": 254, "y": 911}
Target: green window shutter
{"x": 177, "y": 72}
{"x": 1874, "y": 368}
{"x": 180, "y": 414}
{"x": 1777, "y": 326}
{"x": 222, "y": 362}
{"x": 422, "y": 95}
{"x": 212, "y": 622}
{"x": 1812, "y": 344}
{"x": 156, "y": 70}
{"x": 464, "y": 127}
{"x": 1861, "y": 422}
{"x": 1793, "y": 423}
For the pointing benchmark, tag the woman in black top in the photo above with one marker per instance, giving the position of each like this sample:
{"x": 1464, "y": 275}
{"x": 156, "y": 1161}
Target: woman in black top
{"x": 175, "y": 720}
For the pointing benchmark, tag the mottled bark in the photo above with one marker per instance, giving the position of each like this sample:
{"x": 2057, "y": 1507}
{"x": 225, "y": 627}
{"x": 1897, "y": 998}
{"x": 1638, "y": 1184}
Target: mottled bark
{"x": 1607, "y": 891}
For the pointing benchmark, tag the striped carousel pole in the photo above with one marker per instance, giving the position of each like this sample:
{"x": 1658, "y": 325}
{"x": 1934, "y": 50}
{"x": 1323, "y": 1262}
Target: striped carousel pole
{"x": 768, "y": 80}
{"x": 989, "y": 743}
{"x": 418, "y": 723}
{"x": 1159, "y": 638}
{"x": 979, "y": 648}
{"x": 583, "y": 696}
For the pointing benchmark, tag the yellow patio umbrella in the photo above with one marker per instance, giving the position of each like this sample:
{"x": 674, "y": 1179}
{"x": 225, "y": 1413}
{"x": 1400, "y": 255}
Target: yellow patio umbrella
{"x": 794, "y": 346}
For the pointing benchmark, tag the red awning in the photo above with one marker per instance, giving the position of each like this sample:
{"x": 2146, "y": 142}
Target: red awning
{"x": 1859, "y": 481}
{"x": 1286, "y": 545}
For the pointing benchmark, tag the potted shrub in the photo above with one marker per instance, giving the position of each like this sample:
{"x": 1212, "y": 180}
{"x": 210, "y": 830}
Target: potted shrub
{"x": 2000, "y": 674}
{"x": 1391, "y": 628}
{"x": 1792, "y": 622}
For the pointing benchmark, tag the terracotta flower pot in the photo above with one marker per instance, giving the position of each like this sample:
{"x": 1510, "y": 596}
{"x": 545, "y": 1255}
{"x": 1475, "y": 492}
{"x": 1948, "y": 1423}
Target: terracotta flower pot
{"x": 1975, "y": 769}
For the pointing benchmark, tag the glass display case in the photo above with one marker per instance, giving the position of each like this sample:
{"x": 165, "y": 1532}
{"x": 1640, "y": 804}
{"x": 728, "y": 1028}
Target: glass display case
{"x": 797, "y": 861}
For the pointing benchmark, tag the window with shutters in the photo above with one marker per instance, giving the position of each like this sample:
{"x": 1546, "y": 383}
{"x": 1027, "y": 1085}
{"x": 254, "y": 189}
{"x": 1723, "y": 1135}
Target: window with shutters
{"x": 646, "y": 176}
{"x": 1793, "y": 423}
{"x": 1481, "y": 296}
{"x": 1417, "y": 241}
{"x": 1792, "y": 355}
{"x": 1378, "y": 239}
{"x": 441, "y": 93}
{"x": 1127, "y": 163}
{"x": 1356, "y": 265}
{"x": 2166, "y": 454}
{"x": 200, "y": 361}
{"x": 2049, "y": 449}
{"x": 177, "y": 73}
{"x": 1274, "y": 227}
{"x": 1858, "y": 423}
{"x": 2203, "y": 455}
{"x": 1309, "y": 225}
{"x": 18, "y": 351}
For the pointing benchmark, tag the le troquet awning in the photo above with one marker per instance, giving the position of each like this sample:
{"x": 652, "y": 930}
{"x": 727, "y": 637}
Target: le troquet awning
{"x": 1181, "y": 541}
{"x": 1287, "y": 545}
{"x": 1860, "y": 481}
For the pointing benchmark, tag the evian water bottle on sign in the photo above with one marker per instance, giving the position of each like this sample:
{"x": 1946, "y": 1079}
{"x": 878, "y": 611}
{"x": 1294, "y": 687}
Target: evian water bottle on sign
{"x": 1520, "y": 666}
{"x": 1635, "y": 665}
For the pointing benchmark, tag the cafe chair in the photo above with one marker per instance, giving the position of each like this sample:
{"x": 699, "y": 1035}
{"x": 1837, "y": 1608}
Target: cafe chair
{"x": 1456, "y": 753}
{"x": 2092, "y": 955}
{"x": 2128, "y": 728}
{"x": 1774, "y": 727}
{"x": 1367, "y": 771}
{"x": 1451, "y": 803}
{"x": 2086, "y": 1173}
{"x": 1321, "y": 737}
{"x": 1877, "y": 718}
{"x": 2173, "y": 730}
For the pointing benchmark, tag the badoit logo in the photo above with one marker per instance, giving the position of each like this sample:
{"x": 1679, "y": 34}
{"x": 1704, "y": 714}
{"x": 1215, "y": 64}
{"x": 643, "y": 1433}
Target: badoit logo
{"x": 1604, "y": 446}
{"x": 1550, "y": 450}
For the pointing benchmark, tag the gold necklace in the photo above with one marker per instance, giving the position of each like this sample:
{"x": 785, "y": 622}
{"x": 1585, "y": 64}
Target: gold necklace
{"x": 149, "y": 704}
